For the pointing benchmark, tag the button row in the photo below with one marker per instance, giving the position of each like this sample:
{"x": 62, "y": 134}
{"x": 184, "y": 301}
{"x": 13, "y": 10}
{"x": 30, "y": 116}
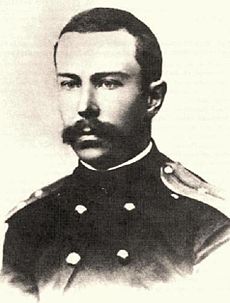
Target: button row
{"x": 74, "y": 258}
{"x": 128, "y": 206}
{"x": 81, "y": 208}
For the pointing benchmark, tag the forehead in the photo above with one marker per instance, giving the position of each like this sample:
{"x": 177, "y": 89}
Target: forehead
{"x": 97, "y": 52}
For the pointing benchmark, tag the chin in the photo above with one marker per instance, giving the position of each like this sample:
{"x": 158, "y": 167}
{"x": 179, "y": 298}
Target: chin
{"x": 92, "y": 155}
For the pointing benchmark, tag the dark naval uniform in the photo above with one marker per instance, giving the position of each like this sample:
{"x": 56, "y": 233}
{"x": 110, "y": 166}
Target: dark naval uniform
{"x": 139, "y": 224}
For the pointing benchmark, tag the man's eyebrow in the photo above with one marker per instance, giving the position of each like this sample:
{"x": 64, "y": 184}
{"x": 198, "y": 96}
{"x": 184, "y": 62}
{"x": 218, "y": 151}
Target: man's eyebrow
{"x": 121, "y": 75}
{"x": 68, "y": 75}
{"x": 97, "y": 76}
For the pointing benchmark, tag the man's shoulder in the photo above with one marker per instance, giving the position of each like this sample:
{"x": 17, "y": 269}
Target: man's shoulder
{"x": 38, "y": 200}
{"x": 207, "y": 205}
{"x": 183, "y": 182}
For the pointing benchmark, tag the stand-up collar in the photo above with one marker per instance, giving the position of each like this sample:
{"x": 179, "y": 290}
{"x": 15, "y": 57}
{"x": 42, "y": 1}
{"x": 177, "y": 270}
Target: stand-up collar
{"x": 125, "y": 175}
{"x": 138, "y": 157}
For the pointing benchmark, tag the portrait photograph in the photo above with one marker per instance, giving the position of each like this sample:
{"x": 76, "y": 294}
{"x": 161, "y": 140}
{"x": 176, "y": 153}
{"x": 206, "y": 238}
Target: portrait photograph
{"x": 115, "y": 158}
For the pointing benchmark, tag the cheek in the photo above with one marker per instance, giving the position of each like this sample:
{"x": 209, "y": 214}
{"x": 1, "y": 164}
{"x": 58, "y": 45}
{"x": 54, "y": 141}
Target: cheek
{"x": 122, "y": 106}
{"x": 68, "y": 107}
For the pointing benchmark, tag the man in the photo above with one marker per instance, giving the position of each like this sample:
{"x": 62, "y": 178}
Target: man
{"x": 127, "y": 213}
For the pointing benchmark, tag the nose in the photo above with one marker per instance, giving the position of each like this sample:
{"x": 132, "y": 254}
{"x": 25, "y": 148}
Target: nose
{"x": 88, "y": 107}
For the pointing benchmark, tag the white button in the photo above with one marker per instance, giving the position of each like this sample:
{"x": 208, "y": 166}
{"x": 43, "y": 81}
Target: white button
{"x": 202, "y": 190}
{"x": 73, "y": 258}
{"x": 175, "y": 196}
{"x": 38, "y": 193}
{"x": 123, "y": 254}
{"x": 168, "y": 169}
{"x": 129, "y": 206}
{"x": 80, "y": 209}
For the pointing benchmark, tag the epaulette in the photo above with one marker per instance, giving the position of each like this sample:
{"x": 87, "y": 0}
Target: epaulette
{"x": 36, "y": 196}
{"x": 183, "y": 182}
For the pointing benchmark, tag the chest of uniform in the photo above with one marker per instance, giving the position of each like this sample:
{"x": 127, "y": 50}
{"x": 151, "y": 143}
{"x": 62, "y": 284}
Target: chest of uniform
{"x": 115, "y": 235}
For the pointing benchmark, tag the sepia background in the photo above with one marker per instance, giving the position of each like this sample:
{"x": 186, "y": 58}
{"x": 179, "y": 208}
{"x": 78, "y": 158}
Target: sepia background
{"x": 192, "y": 127}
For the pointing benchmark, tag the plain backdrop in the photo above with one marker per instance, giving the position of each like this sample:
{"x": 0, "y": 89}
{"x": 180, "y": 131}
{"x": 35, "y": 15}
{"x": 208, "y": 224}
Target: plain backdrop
{"x": 192, "y": 127}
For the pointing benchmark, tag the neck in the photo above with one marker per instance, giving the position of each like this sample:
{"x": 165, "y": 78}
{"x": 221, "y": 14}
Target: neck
{"x": 122, "y": 152}
{"x": 134, "y": 159}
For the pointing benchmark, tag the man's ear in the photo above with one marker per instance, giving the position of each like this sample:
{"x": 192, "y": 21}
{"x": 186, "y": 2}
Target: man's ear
{"x": 157, "y": 91}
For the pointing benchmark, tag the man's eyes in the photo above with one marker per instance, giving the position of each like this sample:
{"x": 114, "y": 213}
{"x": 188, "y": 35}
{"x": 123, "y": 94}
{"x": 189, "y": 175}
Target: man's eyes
{"x": 70, "y": 84}
{"x": 109, "y": 84}
{"x": 103, "y": 83}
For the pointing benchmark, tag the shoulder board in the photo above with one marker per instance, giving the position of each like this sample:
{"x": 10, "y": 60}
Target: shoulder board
{"x": 36, "y": 196}
{"x": 184, "y": 182}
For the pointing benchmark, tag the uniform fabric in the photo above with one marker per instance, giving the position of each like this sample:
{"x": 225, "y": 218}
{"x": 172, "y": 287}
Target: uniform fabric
{"x": 132, "y": 229}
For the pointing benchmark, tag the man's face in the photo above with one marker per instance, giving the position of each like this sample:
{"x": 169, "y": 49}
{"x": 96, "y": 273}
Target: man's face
{"x": 101, "y": 101}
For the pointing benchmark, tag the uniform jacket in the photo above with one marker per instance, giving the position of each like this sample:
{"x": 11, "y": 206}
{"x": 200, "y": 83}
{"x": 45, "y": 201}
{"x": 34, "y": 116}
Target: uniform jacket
{"x": 139, "y": 224}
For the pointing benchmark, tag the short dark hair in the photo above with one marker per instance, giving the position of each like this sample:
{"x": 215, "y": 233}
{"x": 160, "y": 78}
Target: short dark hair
{"x": 148, "y": 52}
